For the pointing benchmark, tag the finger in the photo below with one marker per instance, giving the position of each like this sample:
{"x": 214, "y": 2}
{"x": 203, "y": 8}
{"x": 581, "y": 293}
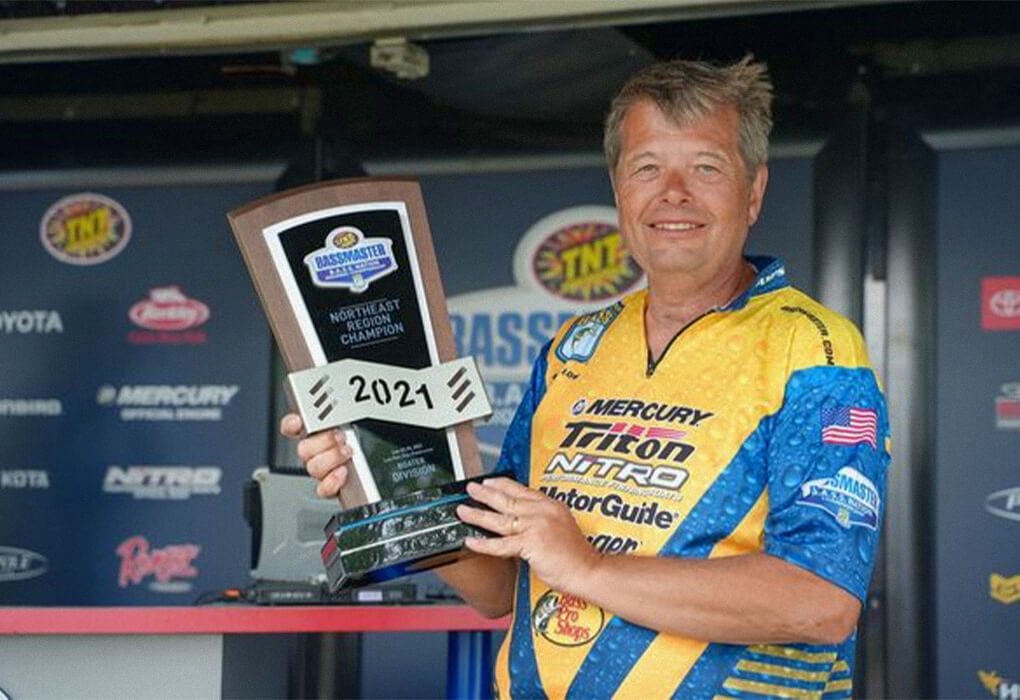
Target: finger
{"x": 511, "y": 488}
{"x": 503, "y": 547}
{"x": 291, "y": 425}
{"x": 491, "y": 497}
{"x": 314, "y": 444}
{"x": 500, "y": 523}
{"x": 331, "y": 484}
{"x": 323, "y": 463}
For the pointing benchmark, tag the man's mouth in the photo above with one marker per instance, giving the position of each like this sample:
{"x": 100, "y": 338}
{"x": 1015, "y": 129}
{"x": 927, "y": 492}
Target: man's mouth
{"x": 675, "y": 226}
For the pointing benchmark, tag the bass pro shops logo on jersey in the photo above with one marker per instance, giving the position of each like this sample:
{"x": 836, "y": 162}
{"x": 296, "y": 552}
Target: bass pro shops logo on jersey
{"x": 168, "y": 317}
{"x": 351, "y": 261}
{"x": 849, "y": 497}
{"x": 566, "y": 620}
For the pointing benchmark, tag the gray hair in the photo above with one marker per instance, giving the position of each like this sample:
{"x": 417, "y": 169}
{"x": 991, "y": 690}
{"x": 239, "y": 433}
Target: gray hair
{"x": 689, "y": 90}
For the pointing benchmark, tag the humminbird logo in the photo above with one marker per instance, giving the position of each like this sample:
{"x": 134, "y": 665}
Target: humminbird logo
{"x": 613, "y": 506}
{"x": 157, "y": 402}
{"x": 648, "y": 411}
{"x": 163, "y": 482}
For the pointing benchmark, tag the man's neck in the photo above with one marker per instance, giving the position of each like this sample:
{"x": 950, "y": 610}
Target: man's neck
{"x": 674, "y": 303}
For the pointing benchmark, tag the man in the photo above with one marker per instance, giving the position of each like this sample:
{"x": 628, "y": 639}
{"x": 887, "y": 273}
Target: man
{"x": 701, "y": 466}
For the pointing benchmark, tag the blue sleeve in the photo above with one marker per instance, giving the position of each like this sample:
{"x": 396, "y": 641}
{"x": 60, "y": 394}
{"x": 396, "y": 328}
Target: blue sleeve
{"x": 827, "y": 461}
{"x": 516, "y": 451}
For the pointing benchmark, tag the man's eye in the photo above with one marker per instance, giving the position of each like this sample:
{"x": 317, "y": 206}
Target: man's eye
{"x": 706, "y": 168}
{"x": 647, "y": 169}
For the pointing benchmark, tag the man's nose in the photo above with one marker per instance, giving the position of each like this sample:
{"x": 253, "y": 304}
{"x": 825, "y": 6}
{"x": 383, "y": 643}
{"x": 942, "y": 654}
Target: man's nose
{"x": 675, "y": 187}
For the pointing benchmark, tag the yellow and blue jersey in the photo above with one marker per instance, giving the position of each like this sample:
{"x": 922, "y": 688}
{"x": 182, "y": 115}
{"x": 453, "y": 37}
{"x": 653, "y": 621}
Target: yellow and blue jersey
{"x": 762, "y": 428}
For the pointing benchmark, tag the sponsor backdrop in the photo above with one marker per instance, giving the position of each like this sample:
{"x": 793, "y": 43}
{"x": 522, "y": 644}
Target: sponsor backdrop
{"x": 134, "y": 401}
{"x": 134, "y": 395}
{"x": 978, "y": 425}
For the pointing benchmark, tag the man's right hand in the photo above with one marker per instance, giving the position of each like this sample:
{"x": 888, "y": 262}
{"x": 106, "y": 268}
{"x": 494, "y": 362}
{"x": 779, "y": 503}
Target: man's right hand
{"x": 326, "y": 455}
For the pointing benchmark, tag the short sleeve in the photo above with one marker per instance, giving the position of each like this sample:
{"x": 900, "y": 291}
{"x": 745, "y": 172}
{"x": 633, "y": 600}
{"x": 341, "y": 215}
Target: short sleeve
{"x": 827, "y": 459}
{"x": 515, "y": 454}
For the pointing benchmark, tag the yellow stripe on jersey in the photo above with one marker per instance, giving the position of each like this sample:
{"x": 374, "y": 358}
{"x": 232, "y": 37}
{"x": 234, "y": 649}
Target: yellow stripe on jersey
{"x": 825, "y": 657}
{"x": 775, "y": 691}
{"x": 782, "y": 671}
{"x": 833, "y": 686}
{"x": 840, "y": 666}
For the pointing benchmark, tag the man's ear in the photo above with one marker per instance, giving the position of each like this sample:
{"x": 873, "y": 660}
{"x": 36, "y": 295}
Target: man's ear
{"x": 757, "y": 194}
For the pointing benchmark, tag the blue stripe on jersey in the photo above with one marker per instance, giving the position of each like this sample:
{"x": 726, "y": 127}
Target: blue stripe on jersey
{"x": 516, "y": 451}
{"x": 516, "y": 455}
{"x": 715, "y": 516}
{"x": 705, "y": 679}
{"x": 524, "y": 678}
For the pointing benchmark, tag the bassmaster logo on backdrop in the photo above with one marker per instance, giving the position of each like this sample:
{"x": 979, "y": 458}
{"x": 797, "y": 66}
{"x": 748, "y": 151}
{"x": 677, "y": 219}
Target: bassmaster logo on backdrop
{"x": 169, "y": 317}
{"x": 998, "y": 686}
{"x": 164, "y": 402}
{"x": 504, "y": 328}
{"x": 138, "y": 562}
{"x": 566, "y": 620}
{"x": 85, "y": 229}
{"x": 162, "y": 483}
{"x": 18, "y": 564}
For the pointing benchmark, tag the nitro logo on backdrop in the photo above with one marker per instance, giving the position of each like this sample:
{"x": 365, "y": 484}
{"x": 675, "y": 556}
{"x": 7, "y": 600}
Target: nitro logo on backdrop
{"x": 164, "y": 402}
{"x": 351, "y": 261}
{"x": 1000, "y": 303}
{"x": 18, "y": 564}
{"x": 169, "y": 317}
{"x": 25, "y": 322}
{"x": 164, "y": 565}
{"x": 24, "y": 479}
{"x": 85, "y": 229}
{"x": 161, "y": 483}
{"x": 33, "y": 408}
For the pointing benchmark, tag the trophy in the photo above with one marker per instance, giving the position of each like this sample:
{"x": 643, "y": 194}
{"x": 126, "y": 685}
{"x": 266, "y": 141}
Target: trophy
{"x": 347, "y": 275}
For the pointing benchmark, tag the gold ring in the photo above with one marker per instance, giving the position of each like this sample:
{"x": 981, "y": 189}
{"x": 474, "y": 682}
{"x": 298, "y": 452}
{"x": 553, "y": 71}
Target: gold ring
{"x": 513, "y": 525}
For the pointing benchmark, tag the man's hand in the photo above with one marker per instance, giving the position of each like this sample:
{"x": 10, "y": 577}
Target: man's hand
{"x": 533, "y": 526}
{"x": 326, "y": 455}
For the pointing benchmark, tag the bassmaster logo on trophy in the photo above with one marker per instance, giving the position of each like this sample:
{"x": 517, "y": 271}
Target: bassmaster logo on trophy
{"x": 350, "y": 260}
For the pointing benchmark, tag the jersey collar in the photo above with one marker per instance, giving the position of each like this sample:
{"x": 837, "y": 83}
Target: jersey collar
{"x": 771, "y": 275}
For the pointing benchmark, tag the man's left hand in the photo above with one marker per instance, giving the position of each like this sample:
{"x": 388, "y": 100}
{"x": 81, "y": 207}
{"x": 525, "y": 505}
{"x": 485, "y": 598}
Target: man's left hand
{"x": 533, "y": 527}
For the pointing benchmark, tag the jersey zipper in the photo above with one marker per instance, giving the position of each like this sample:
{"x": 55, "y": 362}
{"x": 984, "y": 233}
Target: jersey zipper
{"x": 651, "y": 366}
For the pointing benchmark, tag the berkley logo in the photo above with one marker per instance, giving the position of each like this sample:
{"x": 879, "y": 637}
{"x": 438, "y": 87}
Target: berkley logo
{"x": 168, "y": 309}
{"x": 1005, "y": 589}
{"x": 85, "y": 229}
{"x": 19, "y": 564}
{"x": 350, "y": 260}
{"x": 566, "y": 620}
{"x": 582, "y": 257}
{"x": 138, "y": 562}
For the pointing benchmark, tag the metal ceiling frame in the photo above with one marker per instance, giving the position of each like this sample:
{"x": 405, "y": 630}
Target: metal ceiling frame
{"x": 282, "y": 24}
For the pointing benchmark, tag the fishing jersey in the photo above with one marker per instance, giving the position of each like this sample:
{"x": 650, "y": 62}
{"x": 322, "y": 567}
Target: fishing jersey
{"x": 761, "y": 428}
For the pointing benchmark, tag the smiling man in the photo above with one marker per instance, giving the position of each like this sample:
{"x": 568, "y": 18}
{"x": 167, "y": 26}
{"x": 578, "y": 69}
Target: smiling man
{"x": 700, "y": 466}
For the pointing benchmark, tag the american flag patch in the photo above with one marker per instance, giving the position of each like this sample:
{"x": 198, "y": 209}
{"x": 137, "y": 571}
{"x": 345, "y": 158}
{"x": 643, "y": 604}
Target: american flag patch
{"x": 845, "y": 425}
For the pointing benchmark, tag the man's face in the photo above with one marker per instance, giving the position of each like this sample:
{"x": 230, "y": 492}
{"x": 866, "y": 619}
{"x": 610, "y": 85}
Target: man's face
{"x": 683, "y": 193}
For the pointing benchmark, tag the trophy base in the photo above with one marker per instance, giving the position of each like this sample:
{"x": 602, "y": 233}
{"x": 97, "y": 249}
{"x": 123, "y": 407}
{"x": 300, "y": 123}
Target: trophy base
{"x": 398, "y": 536}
